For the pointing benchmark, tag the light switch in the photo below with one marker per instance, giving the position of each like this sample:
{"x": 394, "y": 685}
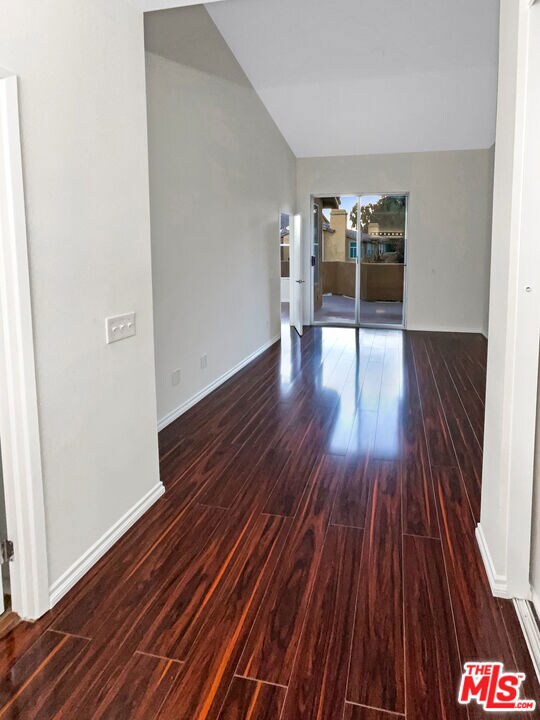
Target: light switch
{"x": 119, "y": 327}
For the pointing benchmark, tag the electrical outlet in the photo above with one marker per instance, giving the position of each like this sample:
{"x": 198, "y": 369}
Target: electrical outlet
{"x": 176, "y": 377}
{"x": 204, "y": 361}
{"x": 119, "y": 327}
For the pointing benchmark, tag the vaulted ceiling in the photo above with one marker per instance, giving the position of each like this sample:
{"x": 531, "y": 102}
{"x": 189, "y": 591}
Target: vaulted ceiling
{"x": 345, "y": 77}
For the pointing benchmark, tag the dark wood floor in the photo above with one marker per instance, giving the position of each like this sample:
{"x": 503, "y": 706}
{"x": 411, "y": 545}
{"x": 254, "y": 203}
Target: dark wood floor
{"x": 312, "y": 558}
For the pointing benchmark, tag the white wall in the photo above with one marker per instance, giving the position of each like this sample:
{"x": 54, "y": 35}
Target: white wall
{"x": 512, "y": 370}
{"x": 220, "y": 173}
{"x": 449, "y": 226}
{"x": 495, "y": 433}
{"x": 83, "y": 125}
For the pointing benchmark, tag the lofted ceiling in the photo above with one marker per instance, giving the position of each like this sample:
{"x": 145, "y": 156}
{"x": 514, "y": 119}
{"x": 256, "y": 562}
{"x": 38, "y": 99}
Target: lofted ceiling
{"x": 353, "y": 77}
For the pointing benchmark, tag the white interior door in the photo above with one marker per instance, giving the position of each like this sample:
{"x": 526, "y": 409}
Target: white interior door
{"x": 297, "y": 276}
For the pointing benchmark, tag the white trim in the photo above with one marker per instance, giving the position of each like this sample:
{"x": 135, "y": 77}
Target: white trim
{"x": 89, "y": 558}
{"x": 531, "y": 631}
{"x": 194, "y": 399}
{"x": 535, "y": 599}
{"x": 19, "y": 423}
{"x": 443, "y": 329}
{"x": 498, "y": 583}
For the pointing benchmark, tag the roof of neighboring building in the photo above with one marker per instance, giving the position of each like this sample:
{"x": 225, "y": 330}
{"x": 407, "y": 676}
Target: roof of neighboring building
{"x": 331, "y": 202}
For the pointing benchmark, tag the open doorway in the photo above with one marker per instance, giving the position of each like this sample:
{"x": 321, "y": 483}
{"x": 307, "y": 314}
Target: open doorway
{"x": 358, "y": 259}
{"x": 334, "y": 265}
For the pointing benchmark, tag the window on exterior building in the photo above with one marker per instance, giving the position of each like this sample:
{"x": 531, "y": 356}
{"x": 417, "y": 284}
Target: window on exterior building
{"x": 353, "y": 251}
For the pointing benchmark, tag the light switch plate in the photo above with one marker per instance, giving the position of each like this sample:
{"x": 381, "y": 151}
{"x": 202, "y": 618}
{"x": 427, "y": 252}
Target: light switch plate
{"x": 119, "y": 327}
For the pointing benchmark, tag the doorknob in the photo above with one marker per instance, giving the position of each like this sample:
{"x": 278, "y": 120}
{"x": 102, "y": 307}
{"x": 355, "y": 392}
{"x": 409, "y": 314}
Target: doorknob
{"x": 300, "y": 281}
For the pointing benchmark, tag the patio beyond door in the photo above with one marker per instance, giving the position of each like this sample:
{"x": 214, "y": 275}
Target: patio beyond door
{"x": 358, "y": 258}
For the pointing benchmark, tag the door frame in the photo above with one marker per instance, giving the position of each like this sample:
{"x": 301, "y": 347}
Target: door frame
{"x": 360, "y": 324}
{"x": 19, "y": 420}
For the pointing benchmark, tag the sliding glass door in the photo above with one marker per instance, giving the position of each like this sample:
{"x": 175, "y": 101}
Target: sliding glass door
{"x": 358, "y": 259}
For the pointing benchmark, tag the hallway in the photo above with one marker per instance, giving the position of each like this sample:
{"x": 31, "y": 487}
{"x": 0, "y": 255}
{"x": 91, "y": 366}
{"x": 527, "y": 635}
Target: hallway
{"x": 313, "y": 556}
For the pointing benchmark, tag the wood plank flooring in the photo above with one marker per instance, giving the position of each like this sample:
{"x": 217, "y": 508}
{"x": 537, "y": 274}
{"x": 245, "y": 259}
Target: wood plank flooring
{"x": 313, "y": 557}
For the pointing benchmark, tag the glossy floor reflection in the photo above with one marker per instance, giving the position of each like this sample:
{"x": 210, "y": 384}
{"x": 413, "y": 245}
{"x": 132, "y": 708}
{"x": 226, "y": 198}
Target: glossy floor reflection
{"x": 341, "y": 309}
{"x": 313, "y": 557}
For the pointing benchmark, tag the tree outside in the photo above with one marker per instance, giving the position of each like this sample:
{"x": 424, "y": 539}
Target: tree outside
{"x": 389, "y": 212}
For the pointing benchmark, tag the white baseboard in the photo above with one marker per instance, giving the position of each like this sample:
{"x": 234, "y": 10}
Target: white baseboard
{"x": 498, "y": 583}
{"x": 529, "y": 625}
{"x": 524, "y": 608}
{"x": 535, "y": 599}
{"x": 194, "y": 399}
{"x": 440, "y": 329}
{"x": 81, "y": 566}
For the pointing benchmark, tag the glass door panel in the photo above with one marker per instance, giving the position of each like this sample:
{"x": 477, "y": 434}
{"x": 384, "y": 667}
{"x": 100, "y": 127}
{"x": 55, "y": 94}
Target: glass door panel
{"x": 383, "y": 221}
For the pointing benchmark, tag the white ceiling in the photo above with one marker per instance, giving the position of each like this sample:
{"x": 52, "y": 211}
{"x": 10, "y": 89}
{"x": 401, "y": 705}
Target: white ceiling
{"x": 149, "y": 5}
{"x": 353, "y": 77}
